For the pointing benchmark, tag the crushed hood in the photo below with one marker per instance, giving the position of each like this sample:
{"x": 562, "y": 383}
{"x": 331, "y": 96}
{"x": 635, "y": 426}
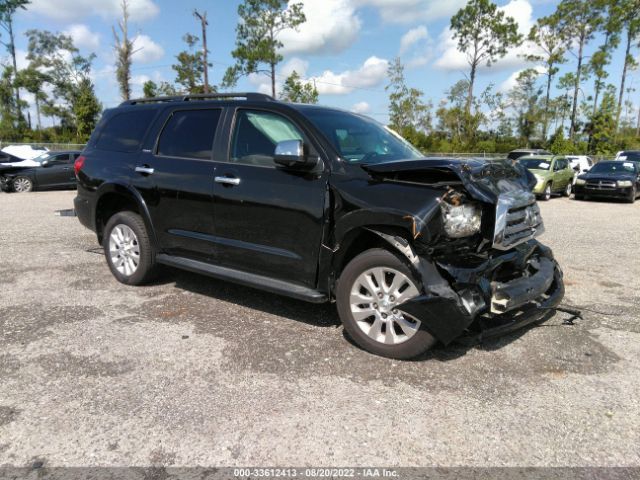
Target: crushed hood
{"x": 484, "y": 180}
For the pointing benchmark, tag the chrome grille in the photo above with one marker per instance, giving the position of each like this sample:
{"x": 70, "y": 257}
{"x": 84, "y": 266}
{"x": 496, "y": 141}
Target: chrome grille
{"x": 518, "y": 220}
{"x": 601, "y": 185}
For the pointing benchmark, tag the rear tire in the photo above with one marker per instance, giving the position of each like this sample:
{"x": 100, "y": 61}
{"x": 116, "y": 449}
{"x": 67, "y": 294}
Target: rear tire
{"x": 128, "y": 249}
{"x": 385, "y": 331}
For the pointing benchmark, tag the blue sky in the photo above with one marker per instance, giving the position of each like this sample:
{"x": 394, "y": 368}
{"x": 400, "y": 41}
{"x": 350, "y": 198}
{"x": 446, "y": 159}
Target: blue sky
{"x": 344, "y": 46}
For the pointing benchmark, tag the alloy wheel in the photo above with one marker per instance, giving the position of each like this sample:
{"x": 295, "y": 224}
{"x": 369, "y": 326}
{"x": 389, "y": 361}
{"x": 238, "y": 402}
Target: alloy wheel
{"x": 22, "y": 184}
{"x": 374, "y": 298}
{"x": 124, "y": 249}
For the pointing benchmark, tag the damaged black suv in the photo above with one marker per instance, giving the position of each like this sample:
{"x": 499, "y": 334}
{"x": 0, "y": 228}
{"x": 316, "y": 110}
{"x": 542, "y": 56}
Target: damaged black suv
{"x": 320, "y": 205}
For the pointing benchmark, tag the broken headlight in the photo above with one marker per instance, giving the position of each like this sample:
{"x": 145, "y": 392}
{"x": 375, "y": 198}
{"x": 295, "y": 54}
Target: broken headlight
{"x": 459, "y": 217}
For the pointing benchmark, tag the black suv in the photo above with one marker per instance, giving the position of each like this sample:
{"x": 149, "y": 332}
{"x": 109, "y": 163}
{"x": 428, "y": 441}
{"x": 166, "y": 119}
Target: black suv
{"x": 320, "y": 205}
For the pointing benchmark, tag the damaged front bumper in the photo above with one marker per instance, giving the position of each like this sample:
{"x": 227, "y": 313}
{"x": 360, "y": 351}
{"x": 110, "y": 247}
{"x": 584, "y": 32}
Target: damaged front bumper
{"x": 480, "y": 296}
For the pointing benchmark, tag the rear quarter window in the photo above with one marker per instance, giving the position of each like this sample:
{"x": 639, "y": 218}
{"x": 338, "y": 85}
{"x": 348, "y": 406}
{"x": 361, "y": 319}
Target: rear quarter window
{"x": 124, "y": 132}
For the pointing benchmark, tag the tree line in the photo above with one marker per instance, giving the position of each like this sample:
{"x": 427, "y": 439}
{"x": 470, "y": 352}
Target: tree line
{"x": 547, "y": 106}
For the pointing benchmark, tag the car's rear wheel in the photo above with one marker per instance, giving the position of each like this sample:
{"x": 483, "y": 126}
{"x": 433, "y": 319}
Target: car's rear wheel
{"x": 128, "y": 249}
{"x": 22, "y": 185}
{"x": 369, "y": 291}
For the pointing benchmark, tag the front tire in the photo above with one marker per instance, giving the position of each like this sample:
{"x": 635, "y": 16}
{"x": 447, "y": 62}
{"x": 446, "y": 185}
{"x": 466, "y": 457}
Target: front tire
{"x": 369, "y": 289}
{"x": 632, "y": 196}
{"x": 567, "y": 190}
{"x": 546, "y": 195}
{"x": 128, "y": 249}
{"x": 22, "y": 185}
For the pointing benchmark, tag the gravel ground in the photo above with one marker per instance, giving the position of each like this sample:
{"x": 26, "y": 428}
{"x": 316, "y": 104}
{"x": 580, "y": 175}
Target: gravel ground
{"x": 192, "y": 371}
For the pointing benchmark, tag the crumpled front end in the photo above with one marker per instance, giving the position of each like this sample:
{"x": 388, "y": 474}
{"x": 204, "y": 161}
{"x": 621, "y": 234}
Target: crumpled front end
{"x": 486, "y": 294}
{"x": 482, "y": 269}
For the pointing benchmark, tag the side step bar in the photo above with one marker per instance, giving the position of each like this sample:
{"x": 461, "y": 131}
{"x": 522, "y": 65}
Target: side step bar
{"x": 279, "y": 287}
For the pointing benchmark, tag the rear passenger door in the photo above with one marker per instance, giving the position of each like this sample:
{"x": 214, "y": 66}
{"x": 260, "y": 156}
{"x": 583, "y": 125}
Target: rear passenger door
{"x": 268, "y": 218}
{"x": 176, "y": 179}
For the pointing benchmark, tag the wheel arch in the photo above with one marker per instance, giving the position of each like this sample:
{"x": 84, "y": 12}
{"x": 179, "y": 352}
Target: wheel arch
{"x": 360, "y": 239}
{"x": 113, "y": 198}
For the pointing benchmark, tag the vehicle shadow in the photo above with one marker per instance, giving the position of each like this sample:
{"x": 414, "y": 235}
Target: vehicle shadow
{"x": 323, "y": 315}
{"x": 456, "y": 350}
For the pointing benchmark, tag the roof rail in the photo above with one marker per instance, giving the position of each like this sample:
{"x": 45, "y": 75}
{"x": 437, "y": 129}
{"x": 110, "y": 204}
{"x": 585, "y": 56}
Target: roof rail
{"x": 202, "y": 96}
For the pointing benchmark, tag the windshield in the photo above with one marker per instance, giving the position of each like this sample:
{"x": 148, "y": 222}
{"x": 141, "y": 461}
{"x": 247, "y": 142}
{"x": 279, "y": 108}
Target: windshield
{"x": 613, "y": 167}
{"x": 41, "y": 158}
{"x": 361, "y": 140}
{"x": 535, "y": 164}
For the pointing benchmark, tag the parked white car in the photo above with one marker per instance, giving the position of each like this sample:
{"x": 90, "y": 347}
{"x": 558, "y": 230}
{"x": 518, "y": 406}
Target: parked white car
{"x": 580, "y": 163}
{"x": 26, "y": 152}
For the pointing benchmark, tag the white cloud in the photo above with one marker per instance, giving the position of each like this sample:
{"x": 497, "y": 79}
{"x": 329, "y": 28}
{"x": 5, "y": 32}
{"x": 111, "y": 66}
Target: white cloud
{"x": 146, "y": 50}
{"x": 370, "y": 74}
{"x": 411, "y": 11}
{"x": 412, "y": 37}
{"x": 331, "y": 27}
{"x": 294, "y": 65}
{"x": 361, "y": 107}
{"x": 512, "y": 81}
{"x": 73, "y": 10}
{"x": 83, "y": 37}
{"x": 452, "y": 59}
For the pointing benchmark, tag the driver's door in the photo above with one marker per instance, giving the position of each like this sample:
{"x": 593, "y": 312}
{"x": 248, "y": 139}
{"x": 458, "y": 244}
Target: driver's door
{"x": 57, "y": 172}
{"x": 268, "y": 219}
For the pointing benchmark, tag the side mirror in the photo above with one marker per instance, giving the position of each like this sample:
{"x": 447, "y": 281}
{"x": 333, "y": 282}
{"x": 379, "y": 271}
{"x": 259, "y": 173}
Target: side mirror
{"x": 45, "y": 163}
{"x": 586, "y": 170}
{"x": 291, "y": 154}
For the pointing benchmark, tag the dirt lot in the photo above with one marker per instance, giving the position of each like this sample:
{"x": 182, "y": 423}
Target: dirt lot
{"x": 193, "y": 371}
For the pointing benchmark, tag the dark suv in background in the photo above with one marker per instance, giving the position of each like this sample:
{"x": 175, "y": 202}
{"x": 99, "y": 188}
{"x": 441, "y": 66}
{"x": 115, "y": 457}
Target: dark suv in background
{"x": 54, "y": 172}
{"x": 320, "y": 205}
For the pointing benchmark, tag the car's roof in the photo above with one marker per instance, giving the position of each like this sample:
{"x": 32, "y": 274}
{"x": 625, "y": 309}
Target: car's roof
{"x": 60, "y": 152}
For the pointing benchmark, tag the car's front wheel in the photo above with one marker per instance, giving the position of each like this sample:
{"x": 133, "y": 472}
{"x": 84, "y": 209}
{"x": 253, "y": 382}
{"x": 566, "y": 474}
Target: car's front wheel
{"x": 128, "y": 249}
{"x": 632, "y": 195}
{"x": 546, "y": 195}
{"x": 369, "y": 291}
{"x": 22, "y": 185}
{"x": 567, "y": 190}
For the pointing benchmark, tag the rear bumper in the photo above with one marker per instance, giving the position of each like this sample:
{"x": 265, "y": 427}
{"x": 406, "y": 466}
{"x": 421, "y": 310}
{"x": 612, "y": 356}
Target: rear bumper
{"x": 83, "y": 210}
{"x": 506, "y": 291}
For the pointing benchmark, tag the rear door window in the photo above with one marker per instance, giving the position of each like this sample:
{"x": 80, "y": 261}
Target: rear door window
{"x": 189, "y": 134}
{"x": 124, "y": 132}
